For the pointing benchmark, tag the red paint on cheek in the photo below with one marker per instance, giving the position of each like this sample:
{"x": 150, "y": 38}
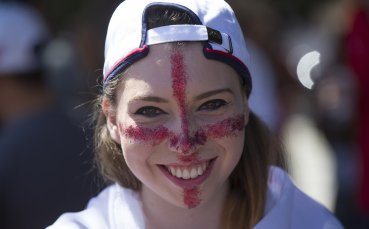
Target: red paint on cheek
{"x": 226, "y": 128}
{"x": 157, "y": 134}
{"x": 191, "y": 197}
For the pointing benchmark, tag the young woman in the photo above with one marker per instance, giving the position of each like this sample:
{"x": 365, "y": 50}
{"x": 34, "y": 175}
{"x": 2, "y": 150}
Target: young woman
{"x": 175, "y": 133}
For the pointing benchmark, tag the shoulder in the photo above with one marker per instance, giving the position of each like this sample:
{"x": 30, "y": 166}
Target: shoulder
{"x": 95, "y": 215}
{"x": 105, "y": 211}
{"x": 289, "y": 207}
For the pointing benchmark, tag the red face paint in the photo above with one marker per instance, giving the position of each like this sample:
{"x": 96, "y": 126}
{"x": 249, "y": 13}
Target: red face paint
{"x": 191, "y": 197}
{"x": 155, "y": 135}
{"x": 226, "y": 128}
{"x": 179, "y": 82}
{"x": 186, "y": 144}
{"x": 183, "y": 142}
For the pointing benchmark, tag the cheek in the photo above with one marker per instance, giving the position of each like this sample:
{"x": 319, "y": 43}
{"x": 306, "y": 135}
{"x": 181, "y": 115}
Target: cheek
{"x": 136, "y": 157}
{"x": 227, "y": 128}
{"x": 134, "y": 151}
{"x": 237, "y": 145}
{"x": 232, "y": 150}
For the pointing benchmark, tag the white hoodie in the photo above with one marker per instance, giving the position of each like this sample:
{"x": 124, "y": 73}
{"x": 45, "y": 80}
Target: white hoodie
{"x": 287, "y": 208}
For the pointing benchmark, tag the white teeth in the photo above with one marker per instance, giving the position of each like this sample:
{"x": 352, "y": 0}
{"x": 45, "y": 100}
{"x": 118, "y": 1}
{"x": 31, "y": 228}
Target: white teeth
{"x": 188, "y": 172}
{"x": 194, "y": 173}
{"x": 172, "y": 171}
{"x": 200, "y": 170}
{"x": 178, "y": 173}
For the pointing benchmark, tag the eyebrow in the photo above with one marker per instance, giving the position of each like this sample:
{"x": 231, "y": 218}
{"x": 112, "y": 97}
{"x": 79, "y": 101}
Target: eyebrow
{"x": 151, "y": 99}
{"x": 213, "y": 92}
{"x": 199, "y": 97}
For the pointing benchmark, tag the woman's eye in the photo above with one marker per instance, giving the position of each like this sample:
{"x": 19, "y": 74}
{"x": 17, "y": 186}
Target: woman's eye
{"x": 149, "y": 111}
{"x": 213, "y": 105}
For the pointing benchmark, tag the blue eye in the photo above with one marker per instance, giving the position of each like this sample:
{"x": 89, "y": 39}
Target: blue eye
{"x": 149, "y": 111}
{"x": 213, "y": 105}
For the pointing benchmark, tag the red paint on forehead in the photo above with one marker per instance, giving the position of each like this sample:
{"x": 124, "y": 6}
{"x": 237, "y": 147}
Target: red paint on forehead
{"x": 183, "y": 143}
{"x": 191, "y": 197}
{"x": 179, "y": 83}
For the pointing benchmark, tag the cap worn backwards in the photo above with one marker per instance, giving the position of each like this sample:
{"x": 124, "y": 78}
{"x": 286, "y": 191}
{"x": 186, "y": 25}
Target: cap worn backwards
{"x": 22, "y": 31}
{"x": 128, "y": 38}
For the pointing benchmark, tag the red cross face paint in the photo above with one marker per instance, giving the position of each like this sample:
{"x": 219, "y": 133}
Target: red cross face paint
{"x": 179, "y": 82}
{"x": 185, "y": 143}
{"x": 229, "y": 127}
{"x": 186, "y": 152}
{"x": 148, "y": 135}
{"x": 191, "y": 197}
{"x": 226, "y": 128}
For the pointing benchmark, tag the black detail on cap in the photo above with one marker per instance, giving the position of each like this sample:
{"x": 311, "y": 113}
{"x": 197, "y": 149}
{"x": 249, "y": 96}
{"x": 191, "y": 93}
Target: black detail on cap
{"x": 188, "y": 17}
{"x": 214, "y": 35}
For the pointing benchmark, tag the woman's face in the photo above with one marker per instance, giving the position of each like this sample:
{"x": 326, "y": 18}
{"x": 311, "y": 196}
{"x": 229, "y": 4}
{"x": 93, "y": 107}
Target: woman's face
{"x": 180, "y": 122}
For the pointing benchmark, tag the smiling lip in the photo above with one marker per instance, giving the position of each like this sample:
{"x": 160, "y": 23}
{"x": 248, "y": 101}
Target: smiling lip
{"x": 189, "y": 182}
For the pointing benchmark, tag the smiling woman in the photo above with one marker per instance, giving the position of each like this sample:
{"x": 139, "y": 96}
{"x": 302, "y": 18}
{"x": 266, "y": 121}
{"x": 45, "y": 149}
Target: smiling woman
{"x": 175, "y": 133}
{"x": 192, "y": 125}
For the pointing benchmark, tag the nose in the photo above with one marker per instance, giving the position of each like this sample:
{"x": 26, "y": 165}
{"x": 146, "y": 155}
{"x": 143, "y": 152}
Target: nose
{"x": 188, "y": 136}
{"x": 187, "y": 143}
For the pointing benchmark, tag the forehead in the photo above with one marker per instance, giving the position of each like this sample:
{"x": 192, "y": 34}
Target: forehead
{"x": 155, "y": 73}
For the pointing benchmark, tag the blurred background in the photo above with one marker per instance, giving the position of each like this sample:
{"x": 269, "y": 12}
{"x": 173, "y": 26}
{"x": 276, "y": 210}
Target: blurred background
{"x": 310, "y": 68}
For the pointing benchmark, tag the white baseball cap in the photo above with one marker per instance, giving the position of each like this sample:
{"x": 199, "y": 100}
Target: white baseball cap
{"x": 21, "y": 31}
{"x": 128, "y": 38}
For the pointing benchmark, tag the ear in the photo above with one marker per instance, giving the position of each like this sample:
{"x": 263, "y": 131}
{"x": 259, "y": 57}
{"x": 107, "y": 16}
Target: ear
{"x": 111, "y": 120}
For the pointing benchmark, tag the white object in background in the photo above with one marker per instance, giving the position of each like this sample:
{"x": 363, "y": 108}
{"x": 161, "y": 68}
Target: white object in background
{"x": 305, "y": 66}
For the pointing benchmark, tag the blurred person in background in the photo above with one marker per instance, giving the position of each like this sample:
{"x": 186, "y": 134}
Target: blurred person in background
{"x": 357, "y": 56}
{"x": 45, "y": 162}
{"x": 280, "y": 100}
{"x": 316, "y": 124}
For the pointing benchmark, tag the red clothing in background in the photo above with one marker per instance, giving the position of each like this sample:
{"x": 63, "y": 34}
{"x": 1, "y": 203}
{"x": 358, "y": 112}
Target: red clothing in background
{"x": 357, "y": 54}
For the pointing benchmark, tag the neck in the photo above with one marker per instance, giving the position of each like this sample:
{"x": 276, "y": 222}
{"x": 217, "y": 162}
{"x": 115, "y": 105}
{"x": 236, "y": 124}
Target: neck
{"x": 160, "y": 213}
